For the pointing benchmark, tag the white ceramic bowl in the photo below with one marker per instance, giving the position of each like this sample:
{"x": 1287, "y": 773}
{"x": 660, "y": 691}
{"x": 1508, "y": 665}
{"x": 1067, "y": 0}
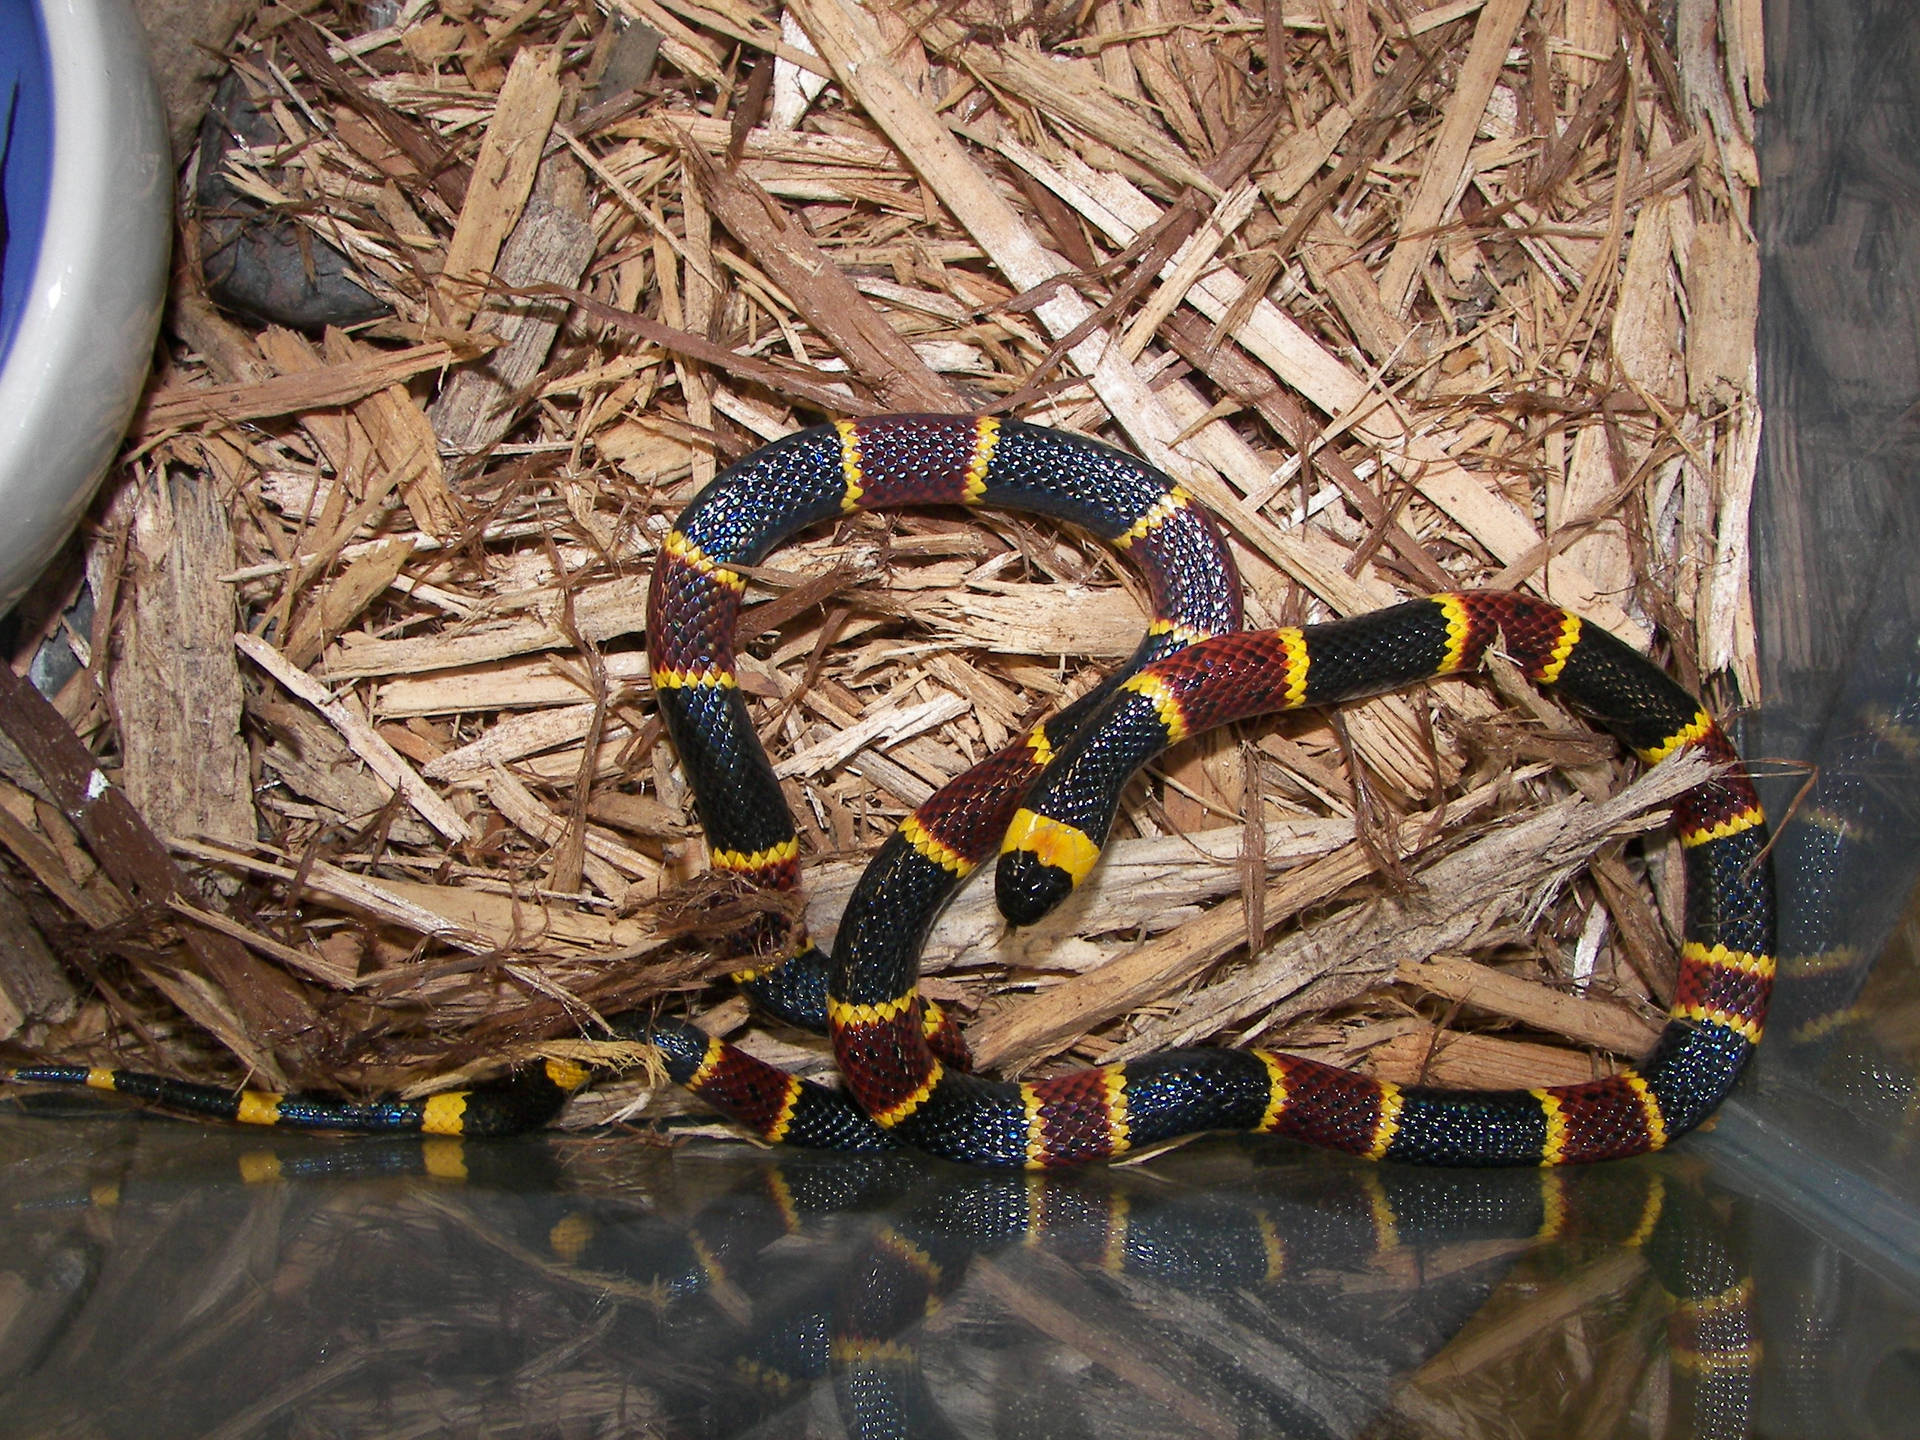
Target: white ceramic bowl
{"x": 88, "y": 185}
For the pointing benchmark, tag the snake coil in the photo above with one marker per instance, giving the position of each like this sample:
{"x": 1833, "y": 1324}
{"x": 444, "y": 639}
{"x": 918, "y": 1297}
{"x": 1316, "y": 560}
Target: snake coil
{"x": 1047, "y": 802}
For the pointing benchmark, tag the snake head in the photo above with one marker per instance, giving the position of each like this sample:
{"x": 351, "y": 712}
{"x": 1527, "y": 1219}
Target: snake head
{"x": 1027, "y": 888}
{"x": 1041, "y": 861}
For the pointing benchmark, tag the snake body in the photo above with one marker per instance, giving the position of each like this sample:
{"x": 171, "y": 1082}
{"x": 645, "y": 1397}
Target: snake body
{"x": 1051, "y": 836}
{"x": 1047, "y": 802}
{"x": 904, "y": 461}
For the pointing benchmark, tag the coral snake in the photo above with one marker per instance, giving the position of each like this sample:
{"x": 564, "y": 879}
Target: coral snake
{"x": 1046, "y": 804}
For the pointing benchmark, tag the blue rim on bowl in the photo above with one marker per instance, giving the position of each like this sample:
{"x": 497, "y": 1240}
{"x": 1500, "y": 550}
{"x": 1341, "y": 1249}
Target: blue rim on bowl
{"x": 26, "y": 156}
{"x": 88, "y": 190}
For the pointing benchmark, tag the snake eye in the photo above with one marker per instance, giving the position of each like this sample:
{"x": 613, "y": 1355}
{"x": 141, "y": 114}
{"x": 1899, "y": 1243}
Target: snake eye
{"x": 1027, "y": 887}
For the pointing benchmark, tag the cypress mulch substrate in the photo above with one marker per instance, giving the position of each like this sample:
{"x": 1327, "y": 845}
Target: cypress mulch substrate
{"x": 1410, "y": 297}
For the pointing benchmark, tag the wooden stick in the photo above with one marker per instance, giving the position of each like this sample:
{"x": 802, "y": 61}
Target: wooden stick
{"x": 268, "y": 1010}
{"x": 381, "y": 757}
{"x": 1440, "y": 175}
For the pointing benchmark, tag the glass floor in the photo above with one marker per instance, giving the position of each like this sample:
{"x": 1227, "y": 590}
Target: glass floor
{"x": 163, "y": 1279}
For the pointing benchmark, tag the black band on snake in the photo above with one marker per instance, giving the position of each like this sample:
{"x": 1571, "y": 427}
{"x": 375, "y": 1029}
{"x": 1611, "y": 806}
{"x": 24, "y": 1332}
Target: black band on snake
{"x": 1048, "y": 801}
